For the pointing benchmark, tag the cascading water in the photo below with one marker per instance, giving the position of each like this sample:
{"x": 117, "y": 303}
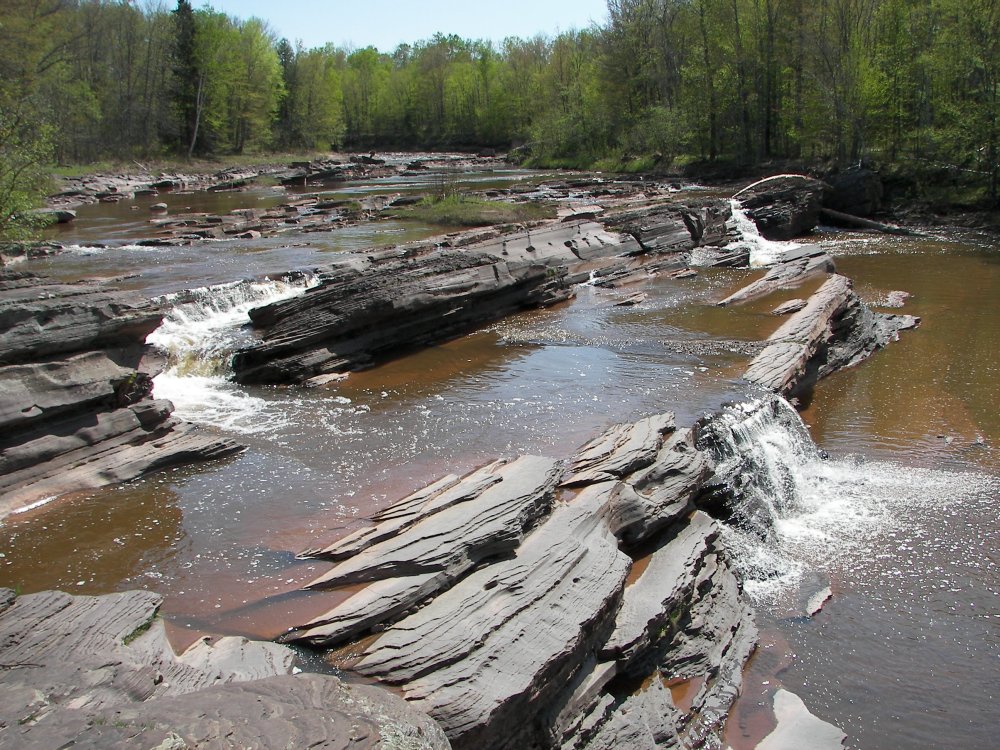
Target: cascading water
{"x": 199, "y": 335}
{"x": 796, "y": 513}
{"x": 763, "y": 252}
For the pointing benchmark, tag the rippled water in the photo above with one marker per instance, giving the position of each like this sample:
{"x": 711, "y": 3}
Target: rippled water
{"x": 901, "y": 521}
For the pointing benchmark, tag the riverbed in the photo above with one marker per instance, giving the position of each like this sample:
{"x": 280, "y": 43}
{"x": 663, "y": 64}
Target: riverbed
{"x": 900, "y": 521}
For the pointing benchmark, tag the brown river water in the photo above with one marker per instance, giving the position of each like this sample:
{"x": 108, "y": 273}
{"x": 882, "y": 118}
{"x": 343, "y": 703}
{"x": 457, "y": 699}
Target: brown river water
{"x": 901, "y": 522}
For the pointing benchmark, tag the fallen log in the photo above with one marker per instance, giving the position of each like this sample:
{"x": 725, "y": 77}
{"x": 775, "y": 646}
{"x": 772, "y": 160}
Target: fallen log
{"x": 850, "y": 221}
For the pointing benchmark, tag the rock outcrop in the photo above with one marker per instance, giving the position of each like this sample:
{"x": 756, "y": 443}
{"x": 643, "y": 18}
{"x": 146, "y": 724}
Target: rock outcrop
{"x": 370, "y": 307}
{"x": 99, "y": 672}
{"x": 784, "y": 206}
{"x": 795, "y": 267}
{"x": 834, "y": 330}
{"x": 76, "y": 409}
{"x": 542, "y": 641}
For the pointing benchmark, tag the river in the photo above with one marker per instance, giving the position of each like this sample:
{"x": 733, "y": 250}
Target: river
{"x": 900, "y": 521}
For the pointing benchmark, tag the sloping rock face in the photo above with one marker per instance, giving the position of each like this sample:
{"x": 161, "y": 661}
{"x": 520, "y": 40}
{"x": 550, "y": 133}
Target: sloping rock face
{"x": 75, "y": 392}
{"x": 834, "y": 330}
{"x": 784, "y": 206}
{"x": 98, "y": 672}
{"x": 795, "y": 268}
{"x": 368, "y": 307}
{"x": 612, "y": 582}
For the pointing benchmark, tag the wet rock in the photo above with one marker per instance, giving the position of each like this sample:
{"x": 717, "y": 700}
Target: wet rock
{"x": 76, "y": 408}
{"x": 158, "y": 207}
{"x": 784, "y": 206}
{"x": 834, "y": 330}
{"x": 789, "y": 307}
{"x": 99, "y": 671}
{"x": 372, "y": 307}
{"x": 795, "y": 268}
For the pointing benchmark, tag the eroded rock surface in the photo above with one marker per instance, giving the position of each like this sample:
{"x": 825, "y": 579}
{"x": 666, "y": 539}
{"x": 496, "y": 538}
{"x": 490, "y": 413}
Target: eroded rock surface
{"x": 544, "y": 645}
{"x": 76, "y": 406}
{"x": 369, "y": 307}
{"x": 834, "y": 330}
{"x": 89, "y": 671}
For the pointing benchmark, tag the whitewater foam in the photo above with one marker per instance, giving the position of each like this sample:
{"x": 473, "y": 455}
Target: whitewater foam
{"x": 199, "y": 336}
{"x": 801, "y": 512}
{"x": 763, "y": 252}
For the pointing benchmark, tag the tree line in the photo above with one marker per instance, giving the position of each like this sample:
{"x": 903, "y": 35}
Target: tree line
{"x": 660, "y": 81}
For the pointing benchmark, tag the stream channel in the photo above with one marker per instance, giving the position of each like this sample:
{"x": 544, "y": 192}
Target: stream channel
{"x": 900, "y": 520}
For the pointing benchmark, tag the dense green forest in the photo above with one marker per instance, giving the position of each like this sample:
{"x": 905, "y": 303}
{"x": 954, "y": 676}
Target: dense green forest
{"x": 661, "y": 82}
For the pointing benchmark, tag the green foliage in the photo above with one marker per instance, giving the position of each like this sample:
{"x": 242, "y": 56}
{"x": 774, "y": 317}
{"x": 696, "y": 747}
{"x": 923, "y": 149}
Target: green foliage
{"x": 662, "y": 82}
{"x": 465, "y": 211}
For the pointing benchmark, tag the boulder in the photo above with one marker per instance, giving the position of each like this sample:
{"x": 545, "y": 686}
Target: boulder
{"x": 784, "y": 206}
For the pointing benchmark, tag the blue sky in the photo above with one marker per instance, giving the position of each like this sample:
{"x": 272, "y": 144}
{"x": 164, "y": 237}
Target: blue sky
{"x": 386, "y": 23}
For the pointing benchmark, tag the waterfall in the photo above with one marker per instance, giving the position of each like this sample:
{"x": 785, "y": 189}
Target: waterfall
{"x": 763, "y": 252}
{"x": 794, "y": 512}
{"x": 199, "y": 335}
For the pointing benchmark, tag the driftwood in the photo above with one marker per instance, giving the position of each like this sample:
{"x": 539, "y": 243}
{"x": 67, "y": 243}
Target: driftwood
{"x": 856, "y": 222}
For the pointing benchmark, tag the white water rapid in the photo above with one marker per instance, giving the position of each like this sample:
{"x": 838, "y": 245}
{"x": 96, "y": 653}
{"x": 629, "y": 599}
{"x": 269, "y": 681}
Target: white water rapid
{"x": 199, "y": 335}
{"x": 763, "y": 252}
{"x": 800, "y": 514}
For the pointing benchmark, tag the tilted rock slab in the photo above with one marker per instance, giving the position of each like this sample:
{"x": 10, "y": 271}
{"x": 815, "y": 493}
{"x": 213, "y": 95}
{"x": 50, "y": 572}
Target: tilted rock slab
{"x": 455, "y": 538}
{"x": 784, "y": 206}
{"x": 543, "y": 647}
{"x": 376, "y": 306}
{"x": 796, "y": 268}
{"x": 99, "y": 672}
{"x": 490, "y": 651}
{"x": 835, "y": 325}
{"x": 76, "y": 406}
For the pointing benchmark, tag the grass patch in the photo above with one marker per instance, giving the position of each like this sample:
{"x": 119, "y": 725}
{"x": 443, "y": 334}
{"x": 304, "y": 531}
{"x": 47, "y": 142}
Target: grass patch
{"x": 131, "y": 637}
{"x": 465, "y": 211}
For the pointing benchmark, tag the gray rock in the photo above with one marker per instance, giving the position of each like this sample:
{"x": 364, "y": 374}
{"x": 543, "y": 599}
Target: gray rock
{"x": 663, "y": 591}
{"x": 834, "y": 330}
{"x": 797, "y": 728}
{"x": 463, "y": 533}
{"x": 492, "y": 651}
{"x": 644, "y": 721}
{"x": 373, "y": 307}
{"x": 789, "y": 307}
{"x": 39, "y": 318}
{"x": 99, "y": 672}
{"x": 654, "y": 498}
{"x": 784, "y": 206}
{"x": 620, "y": 450}
{"x": 808, "y": 262}
{"x": 75, "y": 392}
